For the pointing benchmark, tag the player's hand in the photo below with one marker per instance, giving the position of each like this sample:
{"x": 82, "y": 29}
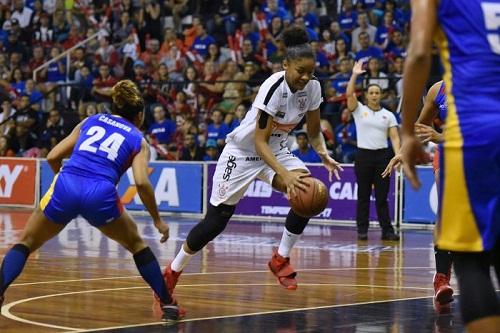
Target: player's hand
{"x": 294, "y": 181}
{"x": 395, "y": 162}
{"x": 426, "y": 133}
{"x": 332, "y": 166}
{"x": 358, "y": 68}
{"x": 412, "y": 155}
{"x": 162, "y": 229}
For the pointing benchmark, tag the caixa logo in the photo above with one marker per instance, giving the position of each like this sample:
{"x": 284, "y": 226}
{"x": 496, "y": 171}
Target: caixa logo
{"x": 8, "y": 178}
{"x": 230, "y": 165}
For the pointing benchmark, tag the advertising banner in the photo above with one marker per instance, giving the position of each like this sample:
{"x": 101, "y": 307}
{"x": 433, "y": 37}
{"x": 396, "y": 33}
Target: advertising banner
{"x": 177, "y": 186}
{"x": 261, "y": 200}
{"x": 421, "y": 206}
{"x": 18, "y": 182}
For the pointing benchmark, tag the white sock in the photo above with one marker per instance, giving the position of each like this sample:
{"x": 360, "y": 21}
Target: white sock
{"x": 181, "y": 260}
{"x": 288, "y": 240}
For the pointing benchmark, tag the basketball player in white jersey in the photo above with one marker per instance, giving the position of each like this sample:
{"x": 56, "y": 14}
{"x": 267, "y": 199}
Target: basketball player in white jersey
{"x": 257, "y": 149}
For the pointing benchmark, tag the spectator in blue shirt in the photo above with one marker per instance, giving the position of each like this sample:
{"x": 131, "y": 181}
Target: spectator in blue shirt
{"x": 162, "y": 129}
{"x": 202, "y": 41}
{"x": 345, "y": 136}
{"x": 311, "y": 19}
{"x": 211, "y": 151}
{"x": 348, "y": 17}
{"x": 367, "y": 51}
{"x": 217, "y": 130}
{"x": 305, "y": 152}
{"x": 273, "y": 10}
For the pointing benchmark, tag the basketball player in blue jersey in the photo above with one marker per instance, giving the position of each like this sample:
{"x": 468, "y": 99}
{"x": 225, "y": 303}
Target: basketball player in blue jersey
{"x": 257, "y": 149}
{"x": 434, "y": 107}
{"x": 100, "y": 149}
{"x": 468, "y": 35}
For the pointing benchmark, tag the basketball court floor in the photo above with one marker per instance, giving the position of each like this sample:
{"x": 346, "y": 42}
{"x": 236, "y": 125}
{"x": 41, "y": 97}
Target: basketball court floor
{"x": 82, "y": 282}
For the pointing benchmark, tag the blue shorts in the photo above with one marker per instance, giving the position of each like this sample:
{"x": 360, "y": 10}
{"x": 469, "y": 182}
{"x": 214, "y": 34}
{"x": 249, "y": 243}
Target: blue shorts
{"x": 71, "y": 195}
{"x": 470, "y": 181}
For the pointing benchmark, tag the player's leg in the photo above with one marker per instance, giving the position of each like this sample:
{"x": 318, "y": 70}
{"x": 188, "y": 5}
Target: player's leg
{"x": 479, "y": 304}
{"x": 56, "y": 210}
{"x": 443, "y": 293}
{"x": 124, "y": 231}
{"x": 365, "y": 173}
{"x": 233, "y": 175}
{"x": 38, "y": 230}
{"x": 294, "y": 224}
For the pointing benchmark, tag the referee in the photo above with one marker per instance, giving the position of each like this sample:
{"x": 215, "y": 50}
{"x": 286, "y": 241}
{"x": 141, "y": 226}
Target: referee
{"x": 373, "y": 125}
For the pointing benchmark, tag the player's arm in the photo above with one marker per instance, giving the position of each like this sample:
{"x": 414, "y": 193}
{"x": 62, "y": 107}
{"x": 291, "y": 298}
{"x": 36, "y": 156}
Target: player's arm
{"x": 314, "y": 134}
{"x": 142, "y": 183}
{"x": 317, "y": 141}
{"x": 263, "y": 130}
{"x": 416, "y": 73}
{"x": 418, "y": 61}
{"x": 423, "y": 126}
{"x": 63, "y": 149}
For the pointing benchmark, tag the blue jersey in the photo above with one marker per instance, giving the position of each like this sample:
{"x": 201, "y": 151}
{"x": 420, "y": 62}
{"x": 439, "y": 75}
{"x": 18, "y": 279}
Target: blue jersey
{"x": 469, "y": 43}
{"x": 440, "y": 102}
{"x": 105, "y": 149}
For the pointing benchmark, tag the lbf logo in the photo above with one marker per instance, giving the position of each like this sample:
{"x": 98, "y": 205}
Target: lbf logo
{"x": 7, "y": 179}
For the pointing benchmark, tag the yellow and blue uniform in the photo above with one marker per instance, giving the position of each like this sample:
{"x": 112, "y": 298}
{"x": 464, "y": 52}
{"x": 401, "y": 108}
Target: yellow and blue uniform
{"x": 86, "y": 185}
{"x": 469, "y": 43}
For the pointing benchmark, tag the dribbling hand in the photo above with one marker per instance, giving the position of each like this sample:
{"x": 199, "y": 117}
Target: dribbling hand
{"x": 294, "y": 182}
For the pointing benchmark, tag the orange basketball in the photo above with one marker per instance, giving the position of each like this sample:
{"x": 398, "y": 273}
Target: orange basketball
{"x": 311, "y": 202}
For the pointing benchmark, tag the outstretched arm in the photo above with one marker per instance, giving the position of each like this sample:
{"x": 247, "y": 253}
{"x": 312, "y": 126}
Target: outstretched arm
{"x": 318, "y": 143}
{"x": 145, "y": 190}
{"x": 352, "y": 100}
{"x": 416, "y": 72}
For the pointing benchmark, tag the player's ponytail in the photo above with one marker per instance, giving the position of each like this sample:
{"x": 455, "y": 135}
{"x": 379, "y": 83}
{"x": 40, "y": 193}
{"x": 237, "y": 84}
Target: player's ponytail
{"x": 297, "y": 44}
{"x": 127, "y": 100}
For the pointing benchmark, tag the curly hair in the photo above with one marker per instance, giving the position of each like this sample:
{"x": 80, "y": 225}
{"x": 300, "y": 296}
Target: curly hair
{"x": 127, "y": 99}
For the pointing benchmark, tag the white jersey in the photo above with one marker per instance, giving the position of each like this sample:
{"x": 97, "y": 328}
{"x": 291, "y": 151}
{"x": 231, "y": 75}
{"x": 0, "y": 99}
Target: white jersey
{"x": 286, "y": 108}
{"x": 372, "y": 127}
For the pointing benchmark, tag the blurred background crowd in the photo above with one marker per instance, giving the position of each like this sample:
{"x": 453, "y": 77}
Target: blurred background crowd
{"x": 199, "y": 64}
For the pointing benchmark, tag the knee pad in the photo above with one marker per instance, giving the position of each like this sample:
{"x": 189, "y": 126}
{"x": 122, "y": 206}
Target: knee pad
{"x": 210, "y": 227}
{"x": 295, "y": 223}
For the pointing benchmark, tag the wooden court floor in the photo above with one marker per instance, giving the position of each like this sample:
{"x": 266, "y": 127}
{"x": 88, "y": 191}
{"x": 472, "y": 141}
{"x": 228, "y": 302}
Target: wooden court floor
{"x": 82, "y": 282}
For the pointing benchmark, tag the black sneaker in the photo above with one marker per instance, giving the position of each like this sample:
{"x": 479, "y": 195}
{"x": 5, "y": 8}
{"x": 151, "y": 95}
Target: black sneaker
{"x": 172, "y": 312}
{"x": 390, "y": 236}
{"x": 362, "y": 236}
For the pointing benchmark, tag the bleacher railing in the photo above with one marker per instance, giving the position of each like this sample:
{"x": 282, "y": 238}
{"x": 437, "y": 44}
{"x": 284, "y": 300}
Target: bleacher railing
{"x": 66, "y": 54}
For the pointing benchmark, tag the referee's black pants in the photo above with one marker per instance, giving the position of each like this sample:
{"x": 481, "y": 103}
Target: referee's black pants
{"x": 368, "y": 166}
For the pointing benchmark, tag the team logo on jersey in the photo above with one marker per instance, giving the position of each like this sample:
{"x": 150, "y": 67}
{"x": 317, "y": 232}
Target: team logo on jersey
{"x": 280, "y": 114}
{"x": 285, "y": 95}
{"x": 230, "y": 165}
{"x": 222, "y": 190}
{"x": 302, "y": 103}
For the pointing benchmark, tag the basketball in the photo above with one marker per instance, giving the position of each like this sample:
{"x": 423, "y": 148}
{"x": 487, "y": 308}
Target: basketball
{"x": 311, "y": 202}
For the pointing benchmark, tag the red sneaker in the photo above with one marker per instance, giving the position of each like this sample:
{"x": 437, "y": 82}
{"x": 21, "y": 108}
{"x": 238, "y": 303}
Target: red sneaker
{"x": 284, "y": 272}
{"x": 443, "y": 294}
{"x": 171, "y": 277}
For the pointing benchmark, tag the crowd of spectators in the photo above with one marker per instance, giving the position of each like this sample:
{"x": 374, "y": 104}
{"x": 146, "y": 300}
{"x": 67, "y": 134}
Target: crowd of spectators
{"x": 199, "y": 64}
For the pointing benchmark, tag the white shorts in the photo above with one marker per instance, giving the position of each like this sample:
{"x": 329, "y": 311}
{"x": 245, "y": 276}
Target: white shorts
{"x": 236, "y": 170}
